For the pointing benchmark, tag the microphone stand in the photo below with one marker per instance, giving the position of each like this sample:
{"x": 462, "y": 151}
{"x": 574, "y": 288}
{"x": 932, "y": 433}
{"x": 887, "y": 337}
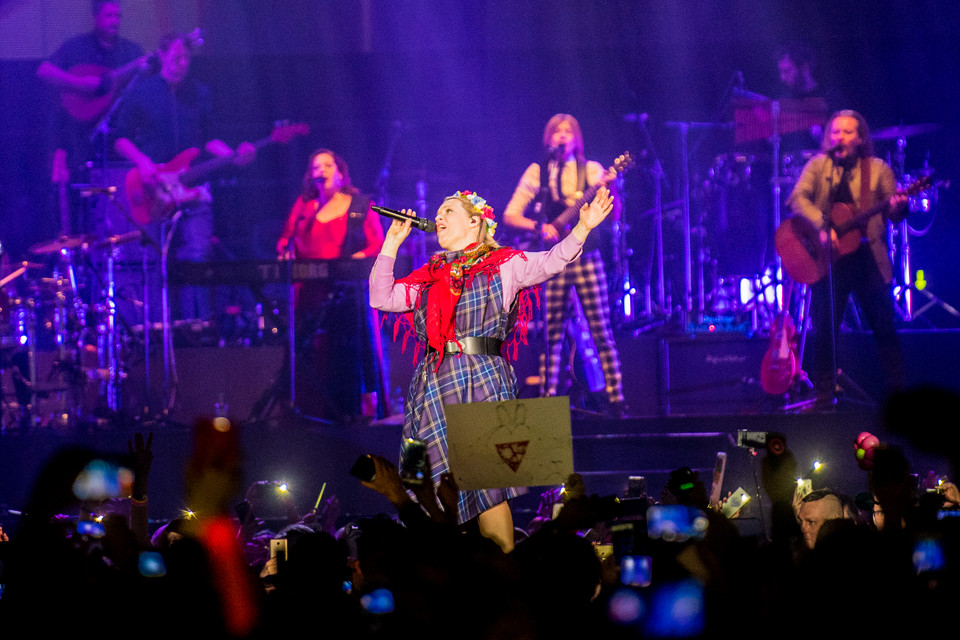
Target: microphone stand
{"x": 539, "y": 215}
{"x": 660, "y": 178}
{"x": 831, "y": 291}
{"x": 687, "y": 308}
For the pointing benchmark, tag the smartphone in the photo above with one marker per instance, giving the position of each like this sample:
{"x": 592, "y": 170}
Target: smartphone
{"x": 735, "y": 502}
{"x": 243, "y": 511}
{"x": 636, "y": 486}
{"x": 102, "y": 480}
{"x": 675, "y": 522}
{"x": 150, "y": 565}
{"x": 804, "y": 488}
{"x": 278, "y": 548}
{"x": 364, "y": 469}
{"x": 718, "y": 471}
{"x": 928, "y": 555}
{"x": 90, "y": 528}
{"x": 413, "y": 461}
{"x": 636, "y": 571}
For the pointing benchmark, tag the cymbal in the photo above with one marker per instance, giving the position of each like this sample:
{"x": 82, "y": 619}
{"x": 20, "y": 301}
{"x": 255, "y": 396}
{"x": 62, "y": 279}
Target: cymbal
{"x": 123, "y": 238}
{"x": 905, "y": 131}
{"x": 63, "y": 242}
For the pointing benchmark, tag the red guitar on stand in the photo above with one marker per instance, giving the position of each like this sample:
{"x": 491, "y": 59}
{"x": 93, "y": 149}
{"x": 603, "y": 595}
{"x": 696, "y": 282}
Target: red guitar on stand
{"x": 179, "y": 183}
{"x": 781, "y": 363}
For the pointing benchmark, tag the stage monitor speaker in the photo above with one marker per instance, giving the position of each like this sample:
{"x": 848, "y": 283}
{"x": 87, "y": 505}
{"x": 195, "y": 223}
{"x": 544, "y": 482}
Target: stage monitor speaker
{"x": 710, "y": 374}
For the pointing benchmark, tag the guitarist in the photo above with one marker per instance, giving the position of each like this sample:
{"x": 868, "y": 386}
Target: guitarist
{"x": 103, "y": 47}
{"x": 833, "y": 177}
{"x": 163, "y": 115}
{"x": 568, "y": 174}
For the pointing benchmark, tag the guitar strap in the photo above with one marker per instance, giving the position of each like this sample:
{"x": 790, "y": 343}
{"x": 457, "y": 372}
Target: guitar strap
{"x": 581, "y": 183}
{"x": 865, "y": 193}
{"x": 355, "y": 239}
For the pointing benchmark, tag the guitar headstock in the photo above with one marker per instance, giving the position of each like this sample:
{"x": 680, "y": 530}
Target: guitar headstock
{"x": 284, "y": 131}
{"x": 920, "y": 184}
{"x": 623, "y": 162}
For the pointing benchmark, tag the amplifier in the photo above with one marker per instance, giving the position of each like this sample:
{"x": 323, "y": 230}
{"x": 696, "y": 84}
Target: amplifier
{"x": 711, "y": 374}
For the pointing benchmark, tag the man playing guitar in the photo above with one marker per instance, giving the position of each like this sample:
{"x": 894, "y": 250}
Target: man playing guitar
{"x": 163, "y": 115}
{"x": 84, "y": 71}
{"x": 568, "y": 174}
{"x": 846, "y": 174}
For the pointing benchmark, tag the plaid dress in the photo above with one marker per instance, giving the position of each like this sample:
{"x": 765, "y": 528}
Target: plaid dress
{"x": 462, "y": 378}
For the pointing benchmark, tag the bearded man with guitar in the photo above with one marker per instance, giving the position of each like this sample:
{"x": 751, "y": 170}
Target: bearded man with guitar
{"x": 540, "y": 208}
{"x": 162, "y": 115}
{"x": 87, "y": 72}
{"x": 846, "y": 182}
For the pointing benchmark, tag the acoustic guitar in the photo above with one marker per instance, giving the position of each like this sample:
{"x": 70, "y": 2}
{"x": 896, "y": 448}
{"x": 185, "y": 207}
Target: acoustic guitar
{"x": 804, "y": 256}
{"x": 178, "y": 183}
{"x": 85, "y": 107}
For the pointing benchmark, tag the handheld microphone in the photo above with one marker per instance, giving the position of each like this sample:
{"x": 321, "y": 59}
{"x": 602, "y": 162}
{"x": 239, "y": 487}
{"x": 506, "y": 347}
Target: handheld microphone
{"x": 420, "y": 223}
{"x": 834, "y": 149}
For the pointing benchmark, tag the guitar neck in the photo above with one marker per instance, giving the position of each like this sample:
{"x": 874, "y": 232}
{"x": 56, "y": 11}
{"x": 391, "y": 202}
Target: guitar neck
{"x": 196, "y": 173}
{"x": 566, "y": 216}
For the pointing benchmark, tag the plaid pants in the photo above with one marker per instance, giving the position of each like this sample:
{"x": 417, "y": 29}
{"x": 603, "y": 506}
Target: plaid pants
{"x": 587, "y": 278}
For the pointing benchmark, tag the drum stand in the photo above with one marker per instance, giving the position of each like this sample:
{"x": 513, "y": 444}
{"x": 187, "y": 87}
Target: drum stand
{"x": 627, "y": 291}
{"x": 898, "y": 240}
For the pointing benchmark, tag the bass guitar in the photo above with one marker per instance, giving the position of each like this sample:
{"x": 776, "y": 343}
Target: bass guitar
{"x": 564, "y": 221}
{"x": 804, "y": 255}
{"x": 179, "y": 183}
{"x": 85, "y": 107}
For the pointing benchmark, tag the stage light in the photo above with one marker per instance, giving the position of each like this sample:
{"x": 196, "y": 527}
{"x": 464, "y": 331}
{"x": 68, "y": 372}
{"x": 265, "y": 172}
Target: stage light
{"x": 921, "y": 281}
{"x": 817, "y": 465}
{"x": 282, "y": 486}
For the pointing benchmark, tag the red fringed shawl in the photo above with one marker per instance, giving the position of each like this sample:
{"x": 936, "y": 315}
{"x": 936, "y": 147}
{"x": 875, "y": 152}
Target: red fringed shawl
{"x": 446, "y": 281}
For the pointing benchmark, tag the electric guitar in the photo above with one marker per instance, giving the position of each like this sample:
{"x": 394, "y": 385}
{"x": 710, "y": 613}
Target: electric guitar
{"x": 85, "y": 107}
{"x": 179, "y": 183}
{"x": 564, "y": 221}
{"x": 780, "y": 362}
{"x": 804, "y": 256}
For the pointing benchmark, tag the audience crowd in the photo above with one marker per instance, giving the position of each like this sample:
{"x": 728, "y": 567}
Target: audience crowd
{"x": 630, "y": 566}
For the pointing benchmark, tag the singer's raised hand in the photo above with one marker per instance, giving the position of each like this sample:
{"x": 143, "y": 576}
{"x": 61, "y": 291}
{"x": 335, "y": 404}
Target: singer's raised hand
{"x": 397, "y": 232}
{"x": 594, "y": 213}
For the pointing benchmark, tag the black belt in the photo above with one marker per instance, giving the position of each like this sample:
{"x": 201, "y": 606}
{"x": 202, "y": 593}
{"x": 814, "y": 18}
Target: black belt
{"x": 473, "y": 346}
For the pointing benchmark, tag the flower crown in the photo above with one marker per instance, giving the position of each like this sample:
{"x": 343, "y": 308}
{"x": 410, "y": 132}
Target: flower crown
{"x": 480, "y": 207}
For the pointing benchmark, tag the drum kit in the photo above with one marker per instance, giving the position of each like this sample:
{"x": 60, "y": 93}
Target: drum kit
{"x": 59, "y": 339}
